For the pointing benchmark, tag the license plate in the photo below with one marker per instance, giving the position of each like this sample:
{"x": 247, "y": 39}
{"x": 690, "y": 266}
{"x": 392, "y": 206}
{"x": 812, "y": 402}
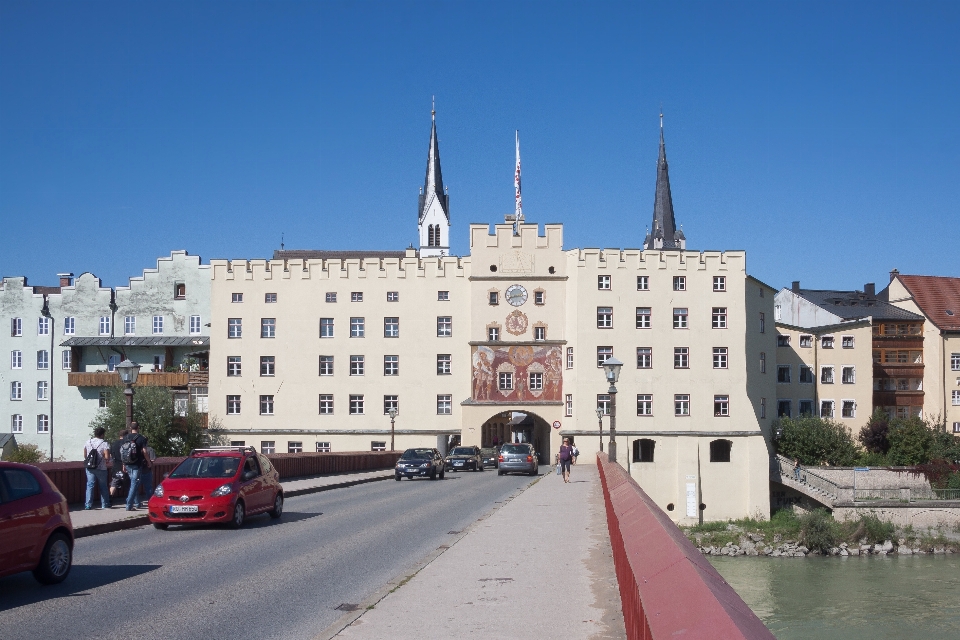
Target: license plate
{"x": 190, "y": 508}
{"x": 458, "y": 463}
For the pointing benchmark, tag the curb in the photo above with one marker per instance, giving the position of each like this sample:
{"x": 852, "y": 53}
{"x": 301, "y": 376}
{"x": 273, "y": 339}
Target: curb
{"x": 139, "y": 521}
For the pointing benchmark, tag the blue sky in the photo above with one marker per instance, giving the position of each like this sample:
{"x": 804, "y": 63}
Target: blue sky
{"x": 821, "y": 137}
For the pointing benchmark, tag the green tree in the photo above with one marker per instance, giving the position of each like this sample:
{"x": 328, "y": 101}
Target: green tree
{"x": 873, "y": 436}
{"x": 814, "y": 441}
{"x": 153, "y": 409}
{"x": 28, "y": 454}
{"x": 911, "y": 442}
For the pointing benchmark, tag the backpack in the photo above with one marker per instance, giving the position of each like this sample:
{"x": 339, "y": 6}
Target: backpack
{"x": 92, "y": 461}
{"x": 130, "y": 452}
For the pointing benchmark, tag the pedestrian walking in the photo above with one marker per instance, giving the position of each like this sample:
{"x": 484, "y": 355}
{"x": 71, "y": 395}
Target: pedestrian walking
{"x": 796, "y": 469}
{"x": 96, "y": 454}
{"x": 565, "y": 456}
{"x": 576, "y": 453}
{"x": 117, "y": 476}
{"x": 134, "y": 461}
{"x": 147, "y": 472}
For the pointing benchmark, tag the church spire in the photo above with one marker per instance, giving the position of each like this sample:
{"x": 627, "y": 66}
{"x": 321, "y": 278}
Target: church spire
{"x": 433, "y": 182}
{"x": 664, "y": 234}
{"x": 434, "y": 212}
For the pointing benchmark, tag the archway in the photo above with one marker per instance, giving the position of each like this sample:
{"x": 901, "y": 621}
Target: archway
{"x": 518, "y": 426}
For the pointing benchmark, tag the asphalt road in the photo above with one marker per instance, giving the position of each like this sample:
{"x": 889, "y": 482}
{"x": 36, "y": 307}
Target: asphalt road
{"x": 271, "y": 579}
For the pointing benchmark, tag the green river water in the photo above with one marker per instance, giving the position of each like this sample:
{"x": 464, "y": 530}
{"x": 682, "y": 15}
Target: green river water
{"x": 854, "y": 598}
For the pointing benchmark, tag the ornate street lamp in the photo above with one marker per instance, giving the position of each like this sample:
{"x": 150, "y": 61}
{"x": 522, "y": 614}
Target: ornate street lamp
{"x": 128, "y": 376}
{"x": 392, "y": 412}
{"x": 611, "y": 369}
{"x": 600, "y": 425}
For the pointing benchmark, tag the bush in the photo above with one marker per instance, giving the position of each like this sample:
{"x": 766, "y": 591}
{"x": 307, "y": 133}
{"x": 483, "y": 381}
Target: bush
{"x": 868, "y": 527}
{"x": 868, "y": 459}
{"x": 27, "y": 454}
{"x": 911, "y": 441}
{"x": 815, "y": 441}
{"x": 873, "y": 436}
{"x": 819, "y": 531}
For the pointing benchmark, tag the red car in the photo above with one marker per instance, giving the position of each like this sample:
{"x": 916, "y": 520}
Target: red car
{"x": 221, "y": 484}
{"x": 35, "y": 529}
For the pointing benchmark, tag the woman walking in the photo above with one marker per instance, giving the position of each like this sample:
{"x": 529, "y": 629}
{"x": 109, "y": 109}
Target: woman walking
{"x": 565, "y": 457}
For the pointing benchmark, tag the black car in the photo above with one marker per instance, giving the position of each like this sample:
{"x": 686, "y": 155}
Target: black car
{"x": 422, "y": 462}
{"x": 489, "y": 457}
{"x": 463, "y": 458}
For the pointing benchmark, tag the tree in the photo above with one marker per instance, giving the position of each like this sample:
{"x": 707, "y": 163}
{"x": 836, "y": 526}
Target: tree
{"x": 911, "y": 441}
{"x": 28, "y": 454}
{"x": 153, "y": 409}
{"x": 873, "y": 436}
{"x": 814, "y": 441}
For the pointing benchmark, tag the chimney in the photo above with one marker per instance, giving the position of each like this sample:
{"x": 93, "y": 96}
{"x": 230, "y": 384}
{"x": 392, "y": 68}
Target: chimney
{"x": 66, "y": 279}
{"x": 870, "y": 289}
{"x": 894, "y": 274}
{"x": 796, "y": 286}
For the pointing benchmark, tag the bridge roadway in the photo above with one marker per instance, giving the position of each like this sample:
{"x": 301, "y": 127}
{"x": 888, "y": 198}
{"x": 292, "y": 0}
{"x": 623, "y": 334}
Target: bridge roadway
{"x": 271, "y": 579}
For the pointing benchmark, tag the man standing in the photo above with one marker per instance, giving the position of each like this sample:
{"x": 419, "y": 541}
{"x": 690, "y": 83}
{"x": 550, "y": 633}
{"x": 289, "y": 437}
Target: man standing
{"x": 96, "y": 453}
{"x": 116, "y": 469}
{"x": 134, "y": 460}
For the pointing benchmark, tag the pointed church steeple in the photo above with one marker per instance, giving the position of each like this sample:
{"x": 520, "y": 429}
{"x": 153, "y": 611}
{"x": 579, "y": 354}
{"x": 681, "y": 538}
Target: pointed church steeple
{"x": 664, "y": 234}
{"x": 434, "y": 210}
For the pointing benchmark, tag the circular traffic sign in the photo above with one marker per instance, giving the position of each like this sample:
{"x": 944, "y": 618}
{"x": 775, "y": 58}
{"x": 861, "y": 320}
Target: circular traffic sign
{"x": 556, "y": 424}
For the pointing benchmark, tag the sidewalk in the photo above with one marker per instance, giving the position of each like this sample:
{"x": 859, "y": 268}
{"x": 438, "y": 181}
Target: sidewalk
{"x": 97, "y": 520}
{"x": 539, "y": 566}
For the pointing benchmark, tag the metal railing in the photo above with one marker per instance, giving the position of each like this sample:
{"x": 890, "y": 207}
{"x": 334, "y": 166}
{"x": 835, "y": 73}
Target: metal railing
{"x": 946, "y": 494}
{"x": 866, "y": 495}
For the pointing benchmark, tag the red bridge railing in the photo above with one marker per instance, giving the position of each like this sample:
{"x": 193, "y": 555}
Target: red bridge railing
{"x": 668, "y": 589}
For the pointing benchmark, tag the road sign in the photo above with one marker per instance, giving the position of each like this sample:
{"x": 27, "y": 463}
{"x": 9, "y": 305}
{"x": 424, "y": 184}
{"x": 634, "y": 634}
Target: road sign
{"x": 556, "y": 424}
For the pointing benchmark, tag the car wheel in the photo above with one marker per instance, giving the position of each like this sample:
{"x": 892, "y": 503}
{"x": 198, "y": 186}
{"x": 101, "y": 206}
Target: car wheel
{"x": 160, "y": 525}
{"x": 499, "y": 473}
{"x": 277, "y": 510}
{"x": 239, "y": 515}
{"x": 55, "y": 561}
{"x": 397, "y": 477}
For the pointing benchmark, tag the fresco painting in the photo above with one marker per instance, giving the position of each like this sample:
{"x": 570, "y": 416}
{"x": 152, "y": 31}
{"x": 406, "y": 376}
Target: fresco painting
{"x": 517, "y": 373}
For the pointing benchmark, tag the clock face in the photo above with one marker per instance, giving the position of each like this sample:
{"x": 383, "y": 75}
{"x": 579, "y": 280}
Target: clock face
{"x": 516, "y": 295}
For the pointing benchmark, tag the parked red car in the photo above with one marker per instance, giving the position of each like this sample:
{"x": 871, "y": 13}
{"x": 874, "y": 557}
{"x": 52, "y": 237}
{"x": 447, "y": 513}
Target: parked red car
{"x": 220, "y": 484}
{"x": 35, "y": 529}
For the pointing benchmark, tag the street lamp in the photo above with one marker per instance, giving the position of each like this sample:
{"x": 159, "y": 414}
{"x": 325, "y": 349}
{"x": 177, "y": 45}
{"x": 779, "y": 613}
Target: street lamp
{"x": 392, "y": 412}
{"x": 611, "y": 369}
{"x": 128, "y": 376}
{"x": 600, "y": 425}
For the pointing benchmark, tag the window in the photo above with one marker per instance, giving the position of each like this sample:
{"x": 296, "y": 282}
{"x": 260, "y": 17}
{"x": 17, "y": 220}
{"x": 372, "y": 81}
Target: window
{"x": 644, "y": 404}
{"x": 391, "y": 327}
{"x": 535, "y": 381}
{"x": 848, "y": 409}
{"x": 806, "y": 341}
{"x": 720, "y": 450}
{"x": 16, "y": 327}
{"x": 719, "y": 357}
{"x": 805, "y": 408}
{"x": 43, "y": 423}
{"x": 444, "y": 405}
{"x": 199, "y": 397}
{"x": 826, "y": 342}
{"x": 538, "y": 297}
{"x": 763, "y": 323}
{"x": 569, "y": 357}
{"x": 294, "y": 447}
{"x": 356, "y": 327}
{"x": 847, "y": 342}
{"x": 681, "y": 404}
{"x": 157, "y": 324}
{"x": 604, "y": 317}
{"x": 776, "y": 313}
{"x": 955, "y": 361}
{"x": 763, "y": 402}
{"x": 16, "y": 390}
{"x": 393, "y": 296}
{"x": 826, "y": 408}
{"x": 643, "y": 283}
{"x": 505, "y": 380}
{"x": 806, "y": 374}
{"x": 266, "y": 405}
{"x": 16, "y": 423}
{"x": 493, "y": 297}
{"x": 234, "y": 327}
{"x": 69, "y": 326}
{"x": 783, "y": 341}
{"x": 391, "y": 365}
{"x": 113, "y": 361}
{"x": 719, "y": 317}
{"x": 326, "y": 404}
{"x": 681, "y": 357}
{"x": 16, "y": 359}
{"x": 104, "y": 325}
{"x": 679, "y": 283}
{"x": 763, "y": 362}
{"x": 331, "y": 296}
{"x": 679, "y": 318}
{"x": 493, "y": 334}
{"x": 326, "y": 327}
{"x": 233, "y": 366}
{"x": 443, "y": 296}
{"x": 43, "y": 326}
{"x": 377, "y": 445}
{"x": 719, "y": 283}
{"x": 568, "y": 405}
{"x": 644, "y": 357}
{"x": 43, "y": 360}
{"x": 603, "y": 283}
{"x": 356, "y": 365}
{"x": 539, "y": 333}
{"x": 129, "y": 325}
{"x": 269, "y": 298}
{"x": 194, "y": 325}
{"x": 721, "y": 406}
{"x": 42, "y": 386}
{"x": 356, "y": 405}
{"x": 848, "y": 375}
{"x": 326, "y": 365}
{"x": 66, "y": 359}
{"x": 643, "y": 450}
{"x": 643, "y": 317}
{"x": 443, "y": 364}
{"x": 323, "y": 447}
{"x": 956, "y": 427}
{"x": 603, "y": 354}
{"x": 955, "y": 397}
{"x": 268, "y": 327}
{"x": 444, "y": 326}
{"x": 603, "y": 402}
{"x": 783, "y": 373}
{"x": 268, "y": 447}
{"x": 356, "y": 296}
{"x": 391, "y": 402}
{"x": 268, "y": 365}
{"x": 826, "y": 375}
{"x": 236, "y": 297}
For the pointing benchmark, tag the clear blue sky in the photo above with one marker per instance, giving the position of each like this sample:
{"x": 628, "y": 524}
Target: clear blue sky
{"x": 822, "y": 137}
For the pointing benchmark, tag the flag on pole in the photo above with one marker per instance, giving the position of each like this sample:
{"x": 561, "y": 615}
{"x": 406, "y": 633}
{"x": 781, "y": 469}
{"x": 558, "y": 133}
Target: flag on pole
{"x": 518, "y": 213}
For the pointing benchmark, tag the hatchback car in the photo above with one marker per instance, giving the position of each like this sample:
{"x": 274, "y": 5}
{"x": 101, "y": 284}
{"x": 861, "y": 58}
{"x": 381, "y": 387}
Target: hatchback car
{"x": 489, "y": 457}
{"x": 220, "y": 484}
{"x": 35, "y": 529}
{"x": 419, "y": 463}
{"x": 463, "y": 458}
{"x": 518, "y": 457}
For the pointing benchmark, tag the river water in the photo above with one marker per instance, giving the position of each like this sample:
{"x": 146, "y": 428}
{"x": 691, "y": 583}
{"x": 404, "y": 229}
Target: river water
{"x": 853, "y": 598}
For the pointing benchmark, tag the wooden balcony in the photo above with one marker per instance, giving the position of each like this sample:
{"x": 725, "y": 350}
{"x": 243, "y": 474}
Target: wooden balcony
{"x": 199, "y": 378}
{"x": 112, "y": 379}
{"x": 897, "y": 398}
{"x": 897, "y": 370}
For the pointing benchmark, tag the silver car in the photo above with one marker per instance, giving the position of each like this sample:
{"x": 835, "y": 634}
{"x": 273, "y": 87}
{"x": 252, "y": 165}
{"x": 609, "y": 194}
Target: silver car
{"x": 518, "y": 458}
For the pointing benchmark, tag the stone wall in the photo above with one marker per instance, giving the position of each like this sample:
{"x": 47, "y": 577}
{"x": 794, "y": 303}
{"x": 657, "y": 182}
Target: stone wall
{"x": 918, "y": 514}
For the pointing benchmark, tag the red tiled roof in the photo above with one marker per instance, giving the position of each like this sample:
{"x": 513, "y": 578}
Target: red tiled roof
{"x": 938, "y": 297}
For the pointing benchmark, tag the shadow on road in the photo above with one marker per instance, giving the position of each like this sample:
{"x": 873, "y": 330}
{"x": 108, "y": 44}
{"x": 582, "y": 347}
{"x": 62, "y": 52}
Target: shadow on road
{"x": 22, "y": 589}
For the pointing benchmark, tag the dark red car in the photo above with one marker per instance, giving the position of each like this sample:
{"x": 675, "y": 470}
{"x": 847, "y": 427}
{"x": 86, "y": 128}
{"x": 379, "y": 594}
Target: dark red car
{"x": 220, "y": 484}
{"x": 35, "y": 529}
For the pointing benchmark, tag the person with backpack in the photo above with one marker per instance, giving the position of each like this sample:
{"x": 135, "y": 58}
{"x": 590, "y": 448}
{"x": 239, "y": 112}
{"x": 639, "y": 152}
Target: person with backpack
{"x": 96, "y": 453}
{"x": 134, "y": 460}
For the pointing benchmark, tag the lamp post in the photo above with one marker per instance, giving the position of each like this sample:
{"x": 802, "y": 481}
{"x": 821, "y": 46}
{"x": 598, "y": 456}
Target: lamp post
{"x": 45, "y": 312}
{"x": 392, "y": 412}
{"x": 600, "y": 425}
{"x": 128, "y": 376}
{"x": 611, "y": 369}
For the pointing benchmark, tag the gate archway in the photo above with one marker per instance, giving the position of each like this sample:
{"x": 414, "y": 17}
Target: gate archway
{"x": 518, "y": 426}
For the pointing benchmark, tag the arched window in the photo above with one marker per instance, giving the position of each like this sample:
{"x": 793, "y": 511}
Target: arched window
{"x": 720, "y": 450}
{"x": 643, "y": 450}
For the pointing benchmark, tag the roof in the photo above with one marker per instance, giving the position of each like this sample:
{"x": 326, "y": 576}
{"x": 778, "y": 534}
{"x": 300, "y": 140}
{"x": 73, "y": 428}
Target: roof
{"x": 855, "y": 304}
{"x": 433, "y": 180}
{"x": 5, "y": 438}
{"x": 166, "y": 341}
{"x": 938, "y": 297}
{"x": 664, "y": 224}
{"x": 312, "y": 254}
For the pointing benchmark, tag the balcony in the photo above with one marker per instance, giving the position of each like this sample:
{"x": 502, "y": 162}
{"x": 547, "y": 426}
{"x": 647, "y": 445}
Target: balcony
{"x": 897, "y": 370}
{"x": 897, "y": 398}
{"x": 112, "y": 379}
{"x": 897, "y": 342}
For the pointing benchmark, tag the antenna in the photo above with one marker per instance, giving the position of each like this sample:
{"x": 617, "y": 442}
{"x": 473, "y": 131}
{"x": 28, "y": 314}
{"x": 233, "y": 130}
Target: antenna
{"x": 281, "y": 241}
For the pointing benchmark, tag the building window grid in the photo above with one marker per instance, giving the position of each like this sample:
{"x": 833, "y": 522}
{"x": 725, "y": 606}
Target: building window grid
{"x": 42, "y": 386}
{"x": 66, "y": 359}
{"x": 955, "y": 398}
{"x": 129, "y": 325}
{"x": 268, "y": 366}
{"x": 268, "y": 327}
{"x": 569, "y": 357}
{"x": 391, "y": 327}
{"x": 326, "y": 404}
{"x": 681, "y": 357}
{"x": 16, "y": 423}
{"x": 826, "y": 375}
{"x": 43, "y": 360}
{"x": 539, "y": 333}
{"x": 826, "y": 342}
{"x": 294, "y": 447}
{"x": 157, "y": 325}
{"x": 848, "y": 375}
{"x": 847, "y": 342}
{"x": 104, "y": 325}
{"x": 644, "y": 404}
{"x": 356, "y": 327}
{"x": 391, "y": 402}
{"x": 783, "y": 373}
{"x": 806, "y": 341}
{"x": 604, "y": 317}
{"x": 391, "y": 365}
{"x": 330, "y": 296}
{"x": 356, "y": 296}
{"x": 233, "y": 405}
{"x": 443, "y": 296}
{"x": 680, "y": 318}
{"x": 356, "y": 365}
{"x": 643, "y": 317}
{"x": 356, "y": 405}
{"x": 493, "y": 298}
{"x": 603, "y": 283}
{"x": 806, "y": 374}
{"x": 603, "y": 402}
{"x": 681, "y": 404}
{"x": 568, "y": 405}
{"x": 195, "y": 328}
{"x": 69, "y": 326}
{"x": 323, "y": 447}
{"x": 444, "y": 405}
{"x": 643, "y": 283}
{"x": 236, "y": 297}
{"x": 763, "y": 362}
{"x": 16, "y": 327}
{"x": 763, "y": 405}
{"x": 955, "y": 361}
{"x": 783, "y": 340}
{"x": 43, "y": 423}
{"x": 16, "y": 359}
{"x": 493, "y": 334}
{"x": 326, "y": 365}
{"x": 268, "y": 447}
{"x": 679, "y": 283}
{"x": 720, "y": 357}
{"x": 603, "y": 354}
{"x": 505, "y": 381}
{"x": 763, "y": 322}
{"x": 719, "y": 283}
{"x": 233, "y": 366}
{"x": 644, "y": 357}
{"x": 443, "y": 364}
{"x": 538, "y": 297}
{"x": 721, "y": 406}
{"x": 16, "y": 390}
{"x": 326, "y": 327}
{"x": 848, "y": 409}
{"x": 826, "y": 408}
{"x": 43, "y": 326}
{"x": 719, "y": 320}
{"x": 444, "y": 326}
{"x": 234, "y": 327}
{"x": 269, "y": 298}
{"x": 535, "y": 381}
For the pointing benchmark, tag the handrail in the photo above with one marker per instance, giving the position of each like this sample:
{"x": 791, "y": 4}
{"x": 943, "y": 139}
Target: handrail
{"x": 784, "y": 466}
